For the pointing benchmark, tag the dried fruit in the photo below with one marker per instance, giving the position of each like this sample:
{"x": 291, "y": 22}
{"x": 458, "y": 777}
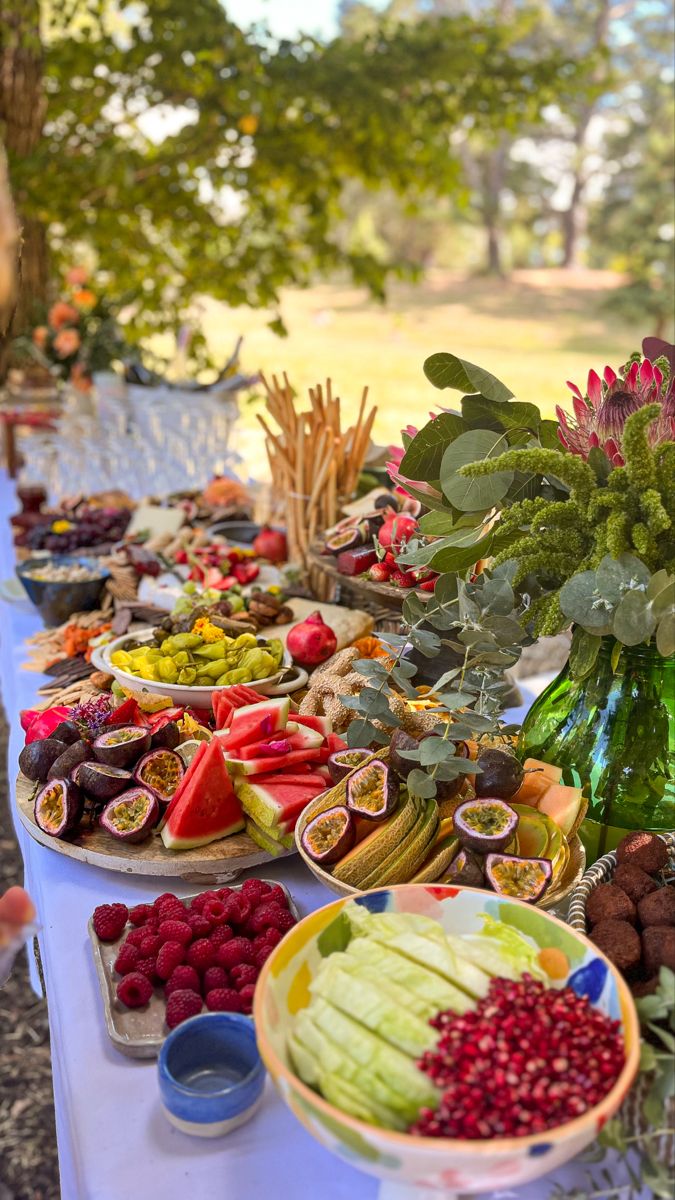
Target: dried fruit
{"x": 120, "y": 747}
{"x": 131, "y": 816}
{"x": 160, "y": 770}
{"x": 344, "y": 761}
{"x": 485, "y": 825}
{"x": 58, "y": 807}
{"x": 372, "y": 791}
{"x": 500, "y": 774}
{"x": 523, "y": 878}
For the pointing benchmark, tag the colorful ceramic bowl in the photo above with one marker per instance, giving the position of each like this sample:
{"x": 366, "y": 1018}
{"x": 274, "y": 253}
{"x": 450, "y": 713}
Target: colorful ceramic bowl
{"x": 211, "y": 1077}
{"x": 438, "y": 1163}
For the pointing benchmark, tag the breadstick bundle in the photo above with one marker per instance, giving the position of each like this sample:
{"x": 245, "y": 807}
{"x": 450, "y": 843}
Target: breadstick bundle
{"x": 313, "y": 463}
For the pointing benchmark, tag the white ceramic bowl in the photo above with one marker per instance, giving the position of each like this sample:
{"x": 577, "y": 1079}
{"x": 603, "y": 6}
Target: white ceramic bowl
{"x": 195, "y": 697}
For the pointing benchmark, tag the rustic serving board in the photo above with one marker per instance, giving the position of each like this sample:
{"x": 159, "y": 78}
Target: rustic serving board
{"x": 386, "y": 593}
{"x": 219, "y": 862}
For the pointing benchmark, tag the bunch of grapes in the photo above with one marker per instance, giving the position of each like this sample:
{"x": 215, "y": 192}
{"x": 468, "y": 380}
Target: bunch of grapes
{"x": 91, "y": 527}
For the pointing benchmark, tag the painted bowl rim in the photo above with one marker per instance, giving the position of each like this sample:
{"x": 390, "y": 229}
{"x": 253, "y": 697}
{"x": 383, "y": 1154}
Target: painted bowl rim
{"x": 238, "y": 1021}
{"x": 478, "y": 1146}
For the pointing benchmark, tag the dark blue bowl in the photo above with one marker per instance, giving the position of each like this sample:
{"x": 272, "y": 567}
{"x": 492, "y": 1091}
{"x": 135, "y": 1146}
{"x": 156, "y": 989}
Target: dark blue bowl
{"x": 211, "y": 1076}
{"x": 57, "y": 602}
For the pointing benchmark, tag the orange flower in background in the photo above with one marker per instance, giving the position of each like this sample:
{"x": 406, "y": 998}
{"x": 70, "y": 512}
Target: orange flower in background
{"x": 61, "y": 314}
{"x": 66, "y": 342}
{"x": 76, "y": 276}
{"x": 40, "y": 335}
{"x": 79, "y": 378}
{"x": 84, "y": 298}
{"x": 248, "y": 124}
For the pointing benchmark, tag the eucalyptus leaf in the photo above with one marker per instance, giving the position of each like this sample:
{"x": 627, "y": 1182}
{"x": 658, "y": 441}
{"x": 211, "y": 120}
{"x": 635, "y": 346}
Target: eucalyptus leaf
{"x": 453, "y": 699}
{"x": 372, "y": 668}
{"x": 583, "y": 604}
{"x": 634, "y": 621}
{"x": 422, "y": 785}
{"x": 413, "y": 609}
{"x": 483, "y": 492}
{"x": 583, "y": 652}
{"x": 659, "y": 581}
{"x": 446, "y": 590}
{"x": 664, "y": 600}
{"x": 614, "y": 576}
{"x": 427, "y": 642}
{"x": 665, "y": 635}
{"x": 480, "y": 412}
{"x": 448, "y": 371}
{"x": 497, "y": 596}
{"x": 362, "y": 732}
{"x": 422, "y": 459}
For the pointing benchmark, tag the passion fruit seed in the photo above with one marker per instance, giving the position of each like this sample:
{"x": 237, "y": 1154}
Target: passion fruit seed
{"x": 329, "y": 835}
{"x": 485, "y": 825}
{"x": 118, "y": 737}
{"x": 51, "y": 805}
{"x": 127, "y": 814}
{"x": 371, "y": 791}
{"x": 162, "y": 771}
{"x": 522, "y": 878}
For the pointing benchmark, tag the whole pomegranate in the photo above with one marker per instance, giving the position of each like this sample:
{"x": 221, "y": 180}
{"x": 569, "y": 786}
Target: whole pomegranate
{"x": 312, "y": 641}
{"x": 271, "y": 544}
{"x": 396, "y": 530}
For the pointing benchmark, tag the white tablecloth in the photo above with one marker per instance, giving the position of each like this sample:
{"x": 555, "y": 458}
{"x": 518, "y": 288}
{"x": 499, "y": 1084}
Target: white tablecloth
{"x": 113, "y": 1140}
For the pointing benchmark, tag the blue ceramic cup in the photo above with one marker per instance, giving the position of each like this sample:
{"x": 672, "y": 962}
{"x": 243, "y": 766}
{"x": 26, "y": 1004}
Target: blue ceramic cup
{"x": 211, "y": 1076}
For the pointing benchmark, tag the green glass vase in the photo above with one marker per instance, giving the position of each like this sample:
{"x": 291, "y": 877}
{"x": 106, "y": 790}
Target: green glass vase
{"x": 613, "y": 733}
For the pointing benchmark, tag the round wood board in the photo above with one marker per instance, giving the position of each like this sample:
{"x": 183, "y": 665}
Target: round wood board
{"x": 219, "y": 862}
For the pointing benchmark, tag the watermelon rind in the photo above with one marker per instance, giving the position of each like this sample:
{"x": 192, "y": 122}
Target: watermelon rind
{"x": 274, "y": 846}
{"x": 274, "y": 804}
{"x": 247, "y": 722}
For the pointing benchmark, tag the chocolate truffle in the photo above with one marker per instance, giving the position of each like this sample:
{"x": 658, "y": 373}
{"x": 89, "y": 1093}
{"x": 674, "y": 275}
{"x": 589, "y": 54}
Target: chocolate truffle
{"x": 619, "y": 941}
{"x": 658, "y": 908}
{"x": 644, "y": 850}
{"x": 658, "y": 948}
{"x": 607, "y": 902}
{"x": 634, "y": 882}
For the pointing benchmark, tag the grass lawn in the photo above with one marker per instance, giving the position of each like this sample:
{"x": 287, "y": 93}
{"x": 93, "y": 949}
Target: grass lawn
{"x": 533, "y": 331}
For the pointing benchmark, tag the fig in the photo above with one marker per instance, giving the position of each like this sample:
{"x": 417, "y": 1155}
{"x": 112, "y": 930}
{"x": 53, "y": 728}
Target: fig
{"x": 37, "y": 757}
{"x": 522, "y": 878}
{"x": 344, "y": 761}
{"x": 345, "y": 539}
{"x": 485, "y": 825}
{"x": 122, "y": 746}
{"x": 400, "y": 740}
{"x": 74, "y": 754}
{"x": 100, "y": 781}
{"x": 58, "y": 807}
{"x": 330, "y": 835}
{"x": 372, "y": 791}
{"x": 500, "y": 774}
{"x": 161, "y": 771}
{"x": 466, "y": 869}
{"x": 167, "y": 737}
{"x": 131, "y": 815}
{"x": 68, "y": 732}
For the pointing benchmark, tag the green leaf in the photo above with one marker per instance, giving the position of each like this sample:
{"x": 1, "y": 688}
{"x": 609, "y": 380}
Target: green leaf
{"x": 581, "y": 601}
{"x": 598, "y": 460}
{"x": 426, "y": 642}
{"x": 583, "y": 652}
{"x": 453, "y": 700}
{"x": 422, "y": 459}
{"x": 435, "y": 750}
{"x": 436, "y": 524}
{"x": 665, "y": 635}
{"x": 479, "y": 412}
{"x": 548, "y": 436}
{"x": 457, "y": 558}
{"x": 448, "y": 371}
{"x": 422, "y": 785}
{"x": 634, "y": 621}
{"x": 362, "y": 732}
{"x": 474, "y": 495}
{"x": 614, "y": 576}
{"x": 496, "y": 596}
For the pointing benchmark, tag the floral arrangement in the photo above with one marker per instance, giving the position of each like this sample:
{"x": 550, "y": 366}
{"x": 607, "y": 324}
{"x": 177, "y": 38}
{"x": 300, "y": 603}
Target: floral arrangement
{"x": 78, "y": 336}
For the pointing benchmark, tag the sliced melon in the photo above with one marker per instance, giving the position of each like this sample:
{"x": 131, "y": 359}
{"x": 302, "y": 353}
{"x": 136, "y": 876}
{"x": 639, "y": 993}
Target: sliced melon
{"x": 562, "y": 804}
{"x": 553, "y": 772}
{"x": 532, "y": 835}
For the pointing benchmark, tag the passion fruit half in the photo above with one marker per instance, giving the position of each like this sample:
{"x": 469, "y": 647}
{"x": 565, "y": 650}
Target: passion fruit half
{"x": 161, "y": 771}
{"x": 330, "y": 835}
{"x": 466, "y": 869}
{"x": 343, "y": 762}
{"x": 372, "y": 791}
{"x": 102, "y": 782}
{"x": 131, "y": 816}
{"x": 485, "y": 825}
{"x": 344, "y": 539}
{"x": 58, "y": 807}
{"x": 523, "y": 878}
{"x": 37, "y": 757}
{"x": 120, "y": 747}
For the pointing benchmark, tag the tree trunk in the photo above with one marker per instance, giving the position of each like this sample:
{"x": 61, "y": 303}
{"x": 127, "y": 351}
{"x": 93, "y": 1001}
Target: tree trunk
{"x": 22, "y": 112}
{"x": 494, "y": 171}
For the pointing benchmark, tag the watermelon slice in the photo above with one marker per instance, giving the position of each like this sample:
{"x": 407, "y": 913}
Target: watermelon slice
{"x": 189, "y": 774}
{"x": 222, "y": 710}
{"x": 256, "y": 722}
{"x": 270, "y": 844}
{"x": 280, "y": 743}
{"x": 323, "y": 725}
{"x": 308, "y": 779}
{"x": 207, "y": 807}
{"x": 276, "y": 804}
{"x": 335, "y": 743}
{"x": 260, "y": 766}
{"x": 241, "y": 695}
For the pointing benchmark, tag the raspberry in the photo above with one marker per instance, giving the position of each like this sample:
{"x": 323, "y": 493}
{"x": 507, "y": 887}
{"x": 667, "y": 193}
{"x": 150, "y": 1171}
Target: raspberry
{"x": 171, "y": 910}
{"x": 277, "y": 895}
{"x": 127, "y": 958}
{"x": 201, "y": 954}
{"x": 150, "y": 945}
{"x": 215, "y": 977}
{"x": 234, "y": 952}
{"x": 136, "y": 936}
{"x": 181, "y": 1005}
{"x": 140, "y": 914}
{"x": 202, "y": 899}
{"x": 246, "y": 997}
{"x": 243, "y": 974}
{"x": 224, "y": 892}
{"x": 182, "y": 978}
{"x": 272, "y": 936}
{"x": 170, "y": 956}
{"x": 109, "y": 921}
{"x": 223, "y": 1000}
{"x": 273, "y": 915}
{"x": 237, "y": 909}
{"x": 215, "y": 912}
{"x": 221, "y": 934}
{"x": 160, "y": 899}
{"x": 261, "y": 956}
{"x": 134, "y": 990}
{"x": 198, "y": 924}
{"x": 148, "y": 967}
{"x": 255, "y": 890}
{"x": 175, "y": 931}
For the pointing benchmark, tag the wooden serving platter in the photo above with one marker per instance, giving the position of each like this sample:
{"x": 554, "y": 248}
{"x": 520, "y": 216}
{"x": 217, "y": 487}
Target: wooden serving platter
{"x": 385, "y": 593}
{"x": 219, "y": 862}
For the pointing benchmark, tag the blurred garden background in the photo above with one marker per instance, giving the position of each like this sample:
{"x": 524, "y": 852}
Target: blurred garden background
{"x": 351, "y": 185}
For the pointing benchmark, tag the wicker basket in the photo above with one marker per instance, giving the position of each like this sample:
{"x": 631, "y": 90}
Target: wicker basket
{"x": 632, "y": 1112}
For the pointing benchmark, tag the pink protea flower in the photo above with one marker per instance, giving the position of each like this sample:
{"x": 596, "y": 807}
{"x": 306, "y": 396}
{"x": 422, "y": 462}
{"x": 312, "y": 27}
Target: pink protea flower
{"x": 61, "y": 314}
{"x": 600, "y": 415}
{"x": 76, "y": 276}
{"x": 67, "y": 342}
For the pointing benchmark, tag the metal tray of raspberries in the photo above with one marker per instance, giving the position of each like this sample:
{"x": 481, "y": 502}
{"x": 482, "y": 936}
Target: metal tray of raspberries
{"x": 139, "y": 1032}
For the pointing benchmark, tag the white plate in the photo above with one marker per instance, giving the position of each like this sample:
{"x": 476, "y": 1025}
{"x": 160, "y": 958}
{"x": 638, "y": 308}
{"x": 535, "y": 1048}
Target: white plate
{"x": 197, "y": 697}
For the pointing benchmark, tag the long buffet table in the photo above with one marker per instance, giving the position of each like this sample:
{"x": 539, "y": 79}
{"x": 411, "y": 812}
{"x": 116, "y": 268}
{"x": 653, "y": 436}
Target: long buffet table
{"x": 113, "y": 1140}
